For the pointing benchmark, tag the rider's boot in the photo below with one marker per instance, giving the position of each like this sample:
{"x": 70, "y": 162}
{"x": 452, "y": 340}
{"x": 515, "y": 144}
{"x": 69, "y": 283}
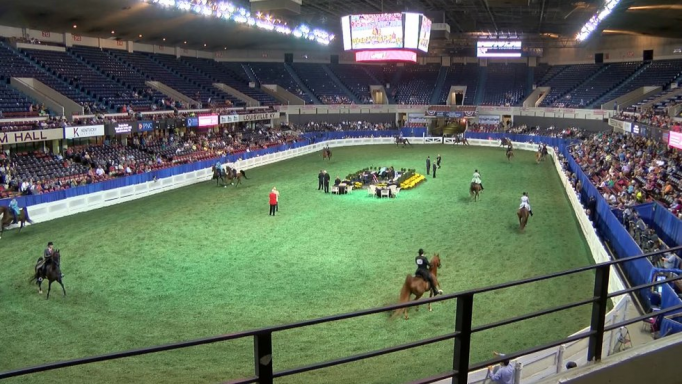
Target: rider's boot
{"x": 531, "y": 213}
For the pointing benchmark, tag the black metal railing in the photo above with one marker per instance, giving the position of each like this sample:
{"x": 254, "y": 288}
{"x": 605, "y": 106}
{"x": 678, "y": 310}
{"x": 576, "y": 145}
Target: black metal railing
{"x": 463, "y": 331}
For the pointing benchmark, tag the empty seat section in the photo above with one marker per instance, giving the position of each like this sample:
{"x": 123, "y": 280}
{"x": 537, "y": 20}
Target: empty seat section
{"x": 460, "y": 74}
{"x": 604, "y": 82}
{"x": 316, "y": 79}
{"x": 505, "y": 84}
{"x": 121, "y": 73}
{"x": 356, "y": 79}
{"x": 276, "y": 73}
{"x": 11, "y": 101}
{"x": 230, "y": 74}
{"x": 565, "y": 81}
{"x": 658, "y": 73}
{"x": 417, "y": 84}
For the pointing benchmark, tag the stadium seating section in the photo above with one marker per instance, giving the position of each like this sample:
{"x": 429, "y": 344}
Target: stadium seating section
{"x": 110, "y": 79}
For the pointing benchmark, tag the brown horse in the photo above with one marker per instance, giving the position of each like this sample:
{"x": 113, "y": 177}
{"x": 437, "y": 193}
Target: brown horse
{"x": 234, "y": 177}
{"x": 523, "y": 217}
{"x": 327, "y": 154}
{"x": 474, "y": 189}
{"x": 510, "y": 155}
{"x": 52, "y": 273}
{"x": 505, "y": 142}
{"x": 417, "y": 286}
{"x": 7, "y": 218}
{"x": 402, "y": 140}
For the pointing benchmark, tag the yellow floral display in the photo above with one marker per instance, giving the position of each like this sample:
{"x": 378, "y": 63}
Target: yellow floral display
{"x": 412, "y": 181}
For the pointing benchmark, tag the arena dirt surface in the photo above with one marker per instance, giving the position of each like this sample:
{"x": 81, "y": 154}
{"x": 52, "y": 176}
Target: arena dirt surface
{"x": 202, "y": 261}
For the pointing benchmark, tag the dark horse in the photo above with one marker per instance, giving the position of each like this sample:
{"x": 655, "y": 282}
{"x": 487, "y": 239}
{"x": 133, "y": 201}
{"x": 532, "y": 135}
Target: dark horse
{"x": 402, "y": 140}
{"x": 52, "y": 273}
{"x": 474, "y": 189}
{"x": 228, "y": 174}
{"x": 7, "y": 218}
{"x": 510, "y": 154}
{"x": 523, "y": 217}
{"x": 417, "y": 286}
{"x": 461, "y": 140}
{"x": 326, "y": 154}
{"x": 505, "y": 141}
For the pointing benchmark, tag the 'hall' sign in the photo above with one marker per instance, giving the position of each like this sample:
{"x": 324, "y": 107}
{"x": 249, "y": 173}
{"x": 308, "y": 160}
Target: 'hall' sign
{"x": 31, "y": 136}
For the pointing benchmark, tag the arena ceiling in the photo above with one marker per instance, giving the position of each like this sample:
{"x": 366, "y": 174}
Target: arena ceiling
{"x": 541, "y": 21}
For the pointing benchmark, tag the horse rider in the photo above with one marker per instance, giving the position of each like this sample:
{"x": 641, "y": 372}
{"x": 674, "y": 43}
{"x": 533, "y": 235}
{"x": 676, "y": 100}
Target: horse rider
{"x": 477, "y": 179}
{"x": 525, "y": 203}
{"x": 424, "y": 271}
{"x": 14, "y": 208}
{"x": 47, "y": 258}
{"x": 219, "y": 167}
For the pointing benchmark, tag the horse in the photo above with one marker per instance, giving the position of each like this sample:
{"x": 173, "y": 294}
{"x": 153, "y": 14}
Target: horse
{"x": 7, "y": 218}
{"x": 235, "y": 177}
{"x": 219, "y": 176}
{"x": 541, "y": 155}
{"x": 52, "y": 273}
{"x": 417, "y": 286}
{"x": 474, "y": 189}
{"x": 463, "y": 140}
{"x": 402, "y": 140}
{"x": 523, "y": 214}
{"x": 510, "y": 154}
{"x": 327, "y": 154}
{"x": 505, "y": 142}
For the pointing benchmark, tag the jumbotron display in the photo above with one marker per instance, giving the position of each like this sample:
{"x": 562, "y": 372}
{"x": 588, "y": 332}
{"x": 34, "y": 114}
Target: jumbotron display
{"x": 498, "y": 49}
{"x": 386, "y": 36}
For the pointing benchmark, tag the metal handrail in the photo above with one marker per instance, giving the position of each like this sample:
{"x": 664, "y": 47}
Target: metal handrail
{"x": 462, "y": 333}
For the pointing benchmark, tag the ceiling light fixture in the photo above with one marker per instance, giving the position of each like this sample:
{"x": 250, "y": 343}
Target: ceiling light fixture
{"x": 204, "y": 44}
{"x": 656, "y": 7}
{"x": 75, "y": 26}
{"x": 185, "y": 42}
{"x": 112, "y": 32}
{"x": 164, "y": 39}
{"x": 139, "y": 35}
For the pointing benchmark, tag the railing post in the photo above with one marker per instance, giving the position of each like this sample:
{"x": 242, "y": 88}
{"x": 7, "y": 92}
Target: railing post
{"x": 463, "y": 318}
{"x": 601, "y": 291}
{"x": 262, "y": 354}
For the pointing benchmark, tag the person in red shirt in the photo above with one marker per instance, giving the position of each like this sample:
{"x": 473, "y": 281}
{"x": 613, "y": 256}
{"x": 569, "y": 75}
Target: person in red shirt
{"x": 273, "y": 201}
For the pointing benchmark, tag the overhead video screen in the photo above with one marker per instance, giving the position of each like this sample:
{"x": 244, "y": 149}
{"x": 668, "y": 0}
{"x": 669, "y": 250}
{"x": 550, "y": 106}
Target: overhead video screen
{"x": 411, "y": 30}
{"x": 378, "y": 31}
{"x": 498, "y": 49}
{"x": 425, "y": 34}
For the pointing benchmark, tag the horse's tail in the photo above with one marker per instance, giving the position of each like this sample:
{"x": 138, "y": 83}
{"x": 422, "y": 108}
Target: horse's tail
{"x": 26, "y": 215}
{"x": 405, "y": 293}
{"x": 243, "y": 174}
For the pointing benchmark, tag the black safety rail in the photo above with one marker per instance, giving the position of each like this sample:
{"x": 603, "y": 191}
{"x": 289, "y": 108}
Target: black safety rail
{"x": 463, "y": 330}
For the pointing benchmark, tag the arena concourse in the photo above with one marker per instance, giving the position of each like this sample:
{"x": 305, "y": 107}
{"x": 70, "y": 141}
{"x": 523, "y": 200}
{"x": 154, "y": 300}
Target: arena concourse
{"x": 144, "y": 146}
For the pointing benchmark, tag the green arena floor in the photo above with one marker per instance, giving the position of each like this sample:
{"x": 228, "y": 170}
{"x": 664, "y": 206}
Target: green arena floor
{"x": 202, "y": 261}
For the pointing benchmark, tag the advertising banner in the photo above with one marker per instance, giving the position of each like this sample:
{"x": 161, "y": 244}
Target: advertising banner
{"x": 192, "y": 122}
{"x": 675, "y": 139}
{"x": 208, "y": 121}
{"x": 226, "y": 119}
{"x": 31, "y": 136}
{"x": 145, "y": 126}
{"x": 624, "y": 126}
{"x": 489, "y": 119}
{"x": 83, "y": 131}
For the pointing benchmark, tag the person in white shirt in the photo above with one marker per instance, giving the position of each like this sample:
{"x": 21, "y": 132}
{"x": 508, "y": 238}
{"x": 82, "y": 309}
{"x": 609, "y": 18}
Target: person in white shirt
{"x": 526, "y": 203}
{"x": 276, "y": 192}
{"x": 477, "y": 179}
{"x": 99, "y": 171}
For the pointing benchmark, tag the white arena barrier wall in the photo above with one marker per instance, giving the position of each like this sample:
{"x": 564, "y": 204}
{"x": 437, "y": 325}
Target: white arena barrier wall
{"x": 530, "y": 368}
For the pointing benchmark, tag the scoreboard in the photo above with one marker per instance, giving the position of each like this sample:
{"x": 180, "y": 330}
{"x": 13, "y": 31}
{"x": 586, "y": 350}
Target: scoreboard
{"x": 386, "y": 36}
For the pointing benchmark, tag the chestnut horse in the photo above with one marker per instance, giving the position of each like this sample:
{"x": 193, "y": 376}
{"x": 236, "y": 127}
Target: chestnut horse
{"x": 417, "y": 286}
{"x": 7, "y": 218}
{"x": 510, "y": 154}
{"x": 523, "y": 217}
{"x": 327, "y": 154}
{"x": 474, "y": 189}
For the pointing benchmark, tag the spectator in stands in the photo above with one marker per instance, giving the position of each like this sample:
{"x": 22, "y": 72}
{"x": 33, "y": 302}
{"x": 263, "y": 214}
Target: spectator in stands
{"x": 502, "y": 374}
{"x": 670, "y": 261}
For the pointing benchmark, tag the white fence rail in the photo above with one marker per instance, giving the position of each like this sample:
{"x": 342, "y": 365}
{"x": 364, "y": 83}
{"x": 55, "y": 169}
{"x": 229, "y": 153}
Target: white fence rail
{"x": 530, "y": 368}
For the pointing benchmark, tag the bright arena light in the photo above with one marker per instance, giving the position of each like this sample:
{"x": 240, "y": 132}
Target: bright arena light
{"x": 228, "y": 11}
{"x": 594, "y": 21}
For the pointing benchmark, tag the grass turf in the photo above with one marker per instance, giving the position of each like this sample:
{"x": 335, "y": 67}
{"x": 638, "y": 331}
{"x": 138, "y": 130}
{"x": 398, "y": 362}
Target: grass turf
{"x": 201, "y": 261}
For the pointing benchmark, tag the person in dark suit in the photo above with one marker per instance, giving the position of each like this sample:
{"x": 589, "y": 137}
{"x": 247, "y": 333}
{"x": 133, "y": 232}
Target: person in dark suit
{"x": 434, "y": 171}
{"x": 326, "y": 182}
{"x": 337, "y": 181}
{"x": 428, "y": 165}
{"x": 437, "y": 162}
{"x": 320, "y": 180}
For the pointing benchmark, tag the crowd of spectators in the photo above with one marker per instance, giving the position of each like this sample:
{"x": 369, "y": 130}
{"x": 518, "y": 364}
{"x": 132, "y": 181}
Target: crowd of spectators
{"x": 335, "y": 99}
{"x": 652, "y": 117}
{"x": 28, "y": 173}
{"x": 343, "y": 126}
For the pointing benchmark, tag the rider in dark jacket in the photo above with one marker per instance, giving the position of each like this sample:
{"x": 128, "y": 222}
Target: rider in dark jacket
{"x": 423, "y": 271}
